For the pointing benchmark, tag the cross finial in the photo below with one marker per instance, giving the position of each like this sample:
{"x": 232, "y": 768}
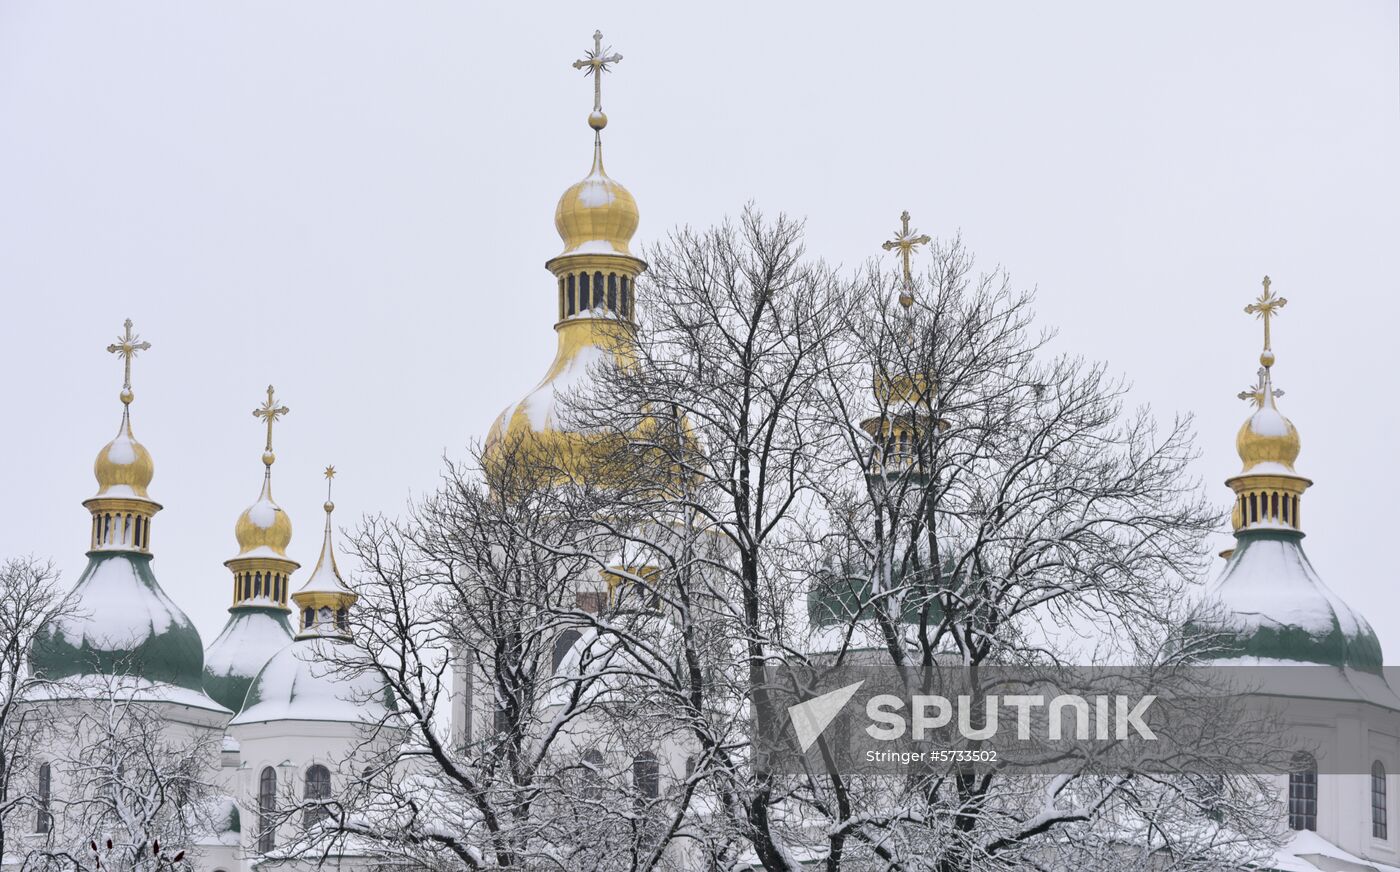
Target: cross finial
{"x": 1266, "y": 307}
{"x": 126, "y": 347}
{"x": 905, "y": 242}
{"x": 595, "y": 63}
{"x": 1262, "y": 390}
{"x": 270, "y": 412}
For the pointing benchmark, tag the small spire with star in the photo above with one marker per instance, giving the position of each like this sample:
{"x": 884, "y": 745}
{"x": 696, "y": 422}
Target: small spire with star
{"x": 325, "y": 599}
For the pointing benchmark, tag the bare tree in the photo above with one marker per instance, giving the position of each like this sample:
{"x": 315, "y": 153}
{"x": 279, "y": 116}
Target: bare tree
{"x": 30, "y": 599}
{"x": 137, "y": 794}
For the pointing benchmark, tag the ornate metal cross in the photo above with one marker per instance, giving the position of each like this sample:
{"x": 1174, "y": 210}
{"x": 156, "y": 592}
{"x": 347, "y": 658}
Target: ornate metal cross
{"x": 595, "y": 64}
{"x": 905, "y": 241}
{"x": 126, "y": 347}
{"x": 1266, "y": 307}
{"x": 270, "y": 412}
{"x": 1256, "y": 393}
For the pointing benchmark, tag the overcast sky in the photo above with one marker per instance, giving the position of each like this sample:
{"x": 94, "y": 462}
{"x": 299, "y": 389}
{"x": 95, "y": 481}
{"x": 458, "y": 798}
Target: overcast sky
{"x": 354, "y": 201}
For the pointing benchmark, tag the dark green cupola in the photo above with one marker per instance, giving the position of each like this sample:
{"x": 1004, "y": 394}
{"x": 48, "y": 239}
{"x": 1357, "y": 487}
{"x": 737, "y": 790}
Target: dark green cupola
{"x": 122, "y": 624}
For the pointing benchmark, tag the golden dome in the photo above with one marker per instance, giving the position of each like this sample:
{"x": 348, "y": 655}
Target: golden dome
{"x": 263, "y": 530}
{"x": 596, "y": 215}
{"x": 123, "y": 467}
{"x": 1267, "y": 437}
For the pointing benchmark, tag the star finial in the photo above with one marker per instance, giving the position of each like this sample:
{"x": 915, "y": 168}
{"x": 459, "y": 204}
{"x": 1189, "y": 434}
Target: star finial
{"x": 330, "y": 479}
{"x": 595, "y": 63}
{"x": 905, "y": 241}
{"x": 127, "y": 346}
{"x": 269, "y": 411}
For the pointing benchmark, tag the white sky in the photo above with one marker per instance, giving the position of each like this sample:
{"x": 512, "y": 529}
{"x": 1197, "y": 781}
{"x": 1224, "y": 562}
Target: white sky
{"x": 354, "y": 201}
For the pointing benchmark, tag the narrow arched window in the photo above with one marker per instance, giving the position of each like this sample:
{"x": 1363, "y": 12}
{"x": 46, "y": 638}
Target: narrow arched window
{"x": 1253, "y": 508}
{"x": 43, "y": 818}
{"x": 562, "y": 644}
{"x": 267, "y": 808}
{"x": 341, "y": 619}
{"x": 1379, "y": 817}
{"x": 257, "y": 584}
{"x": 315, "y": 793}
{"x": 612, "y": 292}
{"x": 592, "y": 774}
{"x": 646, "y": 776}
{"x": 626, "y": 299}
{"x": 1302, "y": 793}
{"x": 585, "y": 301}
{"x": 573, "y": 307}
{"x": 140, "y": 543}
{"x": 599, "y": 295}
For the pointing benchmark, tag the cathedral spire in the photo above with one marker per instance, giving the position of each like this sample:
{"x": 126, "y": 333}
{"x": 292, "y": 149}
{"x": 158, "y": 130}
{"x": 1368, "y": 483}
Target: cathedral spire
{"x": 899, "y": 393}
{"x": 325, "y": 599}
{"x": 261, "y": 568}
{"x": 595, "y": 279}
{"x": 1268, "y": 488}
{"x": 122, "y": 509}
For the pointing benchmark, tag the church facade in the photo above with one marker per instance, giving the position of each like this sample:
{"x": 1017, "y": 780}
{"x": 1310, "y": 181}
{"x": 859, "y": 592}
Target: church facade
{"x": 281, "y": 725}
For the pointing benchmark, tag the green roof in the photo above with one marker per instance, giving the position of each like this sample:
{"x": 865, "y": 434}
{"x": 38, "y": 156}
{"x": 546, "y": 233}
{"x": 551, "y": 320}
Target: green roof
{"x": 123, "y": 624}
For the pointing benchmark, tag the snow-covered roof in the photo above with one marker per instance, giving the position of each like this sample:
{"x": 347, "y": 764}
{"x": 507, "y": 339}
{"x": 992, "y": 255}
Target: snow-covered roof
{"x": 1306, "y": 851}
{"x": 248, "y": 641}
{"x": 303, "y": 683}
{"x": 1277, "y": 608}
{"x": 122, "y": 623}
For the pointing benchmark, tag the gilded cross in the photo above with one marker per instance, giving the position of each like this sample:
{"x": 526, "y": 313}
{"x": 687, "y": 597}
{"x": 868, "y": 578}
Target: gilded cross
{"x": 905, "y": 241}
{"x": 126, "y": 347}
{"x": 270, "y": 412}
{"x": 1266, "y": 307}
{"x": 1257, "y": 392}
{"x": 330, "y": 478}
{"x": 597, "y": 63}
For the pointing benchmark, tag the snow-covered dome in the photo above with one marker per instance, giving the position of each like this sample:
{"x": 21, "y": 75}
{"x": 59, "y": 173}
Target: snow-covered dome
{"x": 1270, "y": 604}
{"x": 1276, "y": 608}
{"x": 123, "y": 467}
{"x": 1268, "y": 439}
{"x": 123, "y": 624}
{"x": 303, "y": 682}
{"x": 251, "y": 637}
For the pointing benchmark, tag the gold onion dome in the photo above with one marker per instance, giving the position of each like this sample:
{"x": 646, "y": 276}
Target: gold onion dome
{"x": 1267, "y": 437}
{"x": 263, "y": 529}
{"x": 124, "y": 467}
{"x": 596, "y": 215}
